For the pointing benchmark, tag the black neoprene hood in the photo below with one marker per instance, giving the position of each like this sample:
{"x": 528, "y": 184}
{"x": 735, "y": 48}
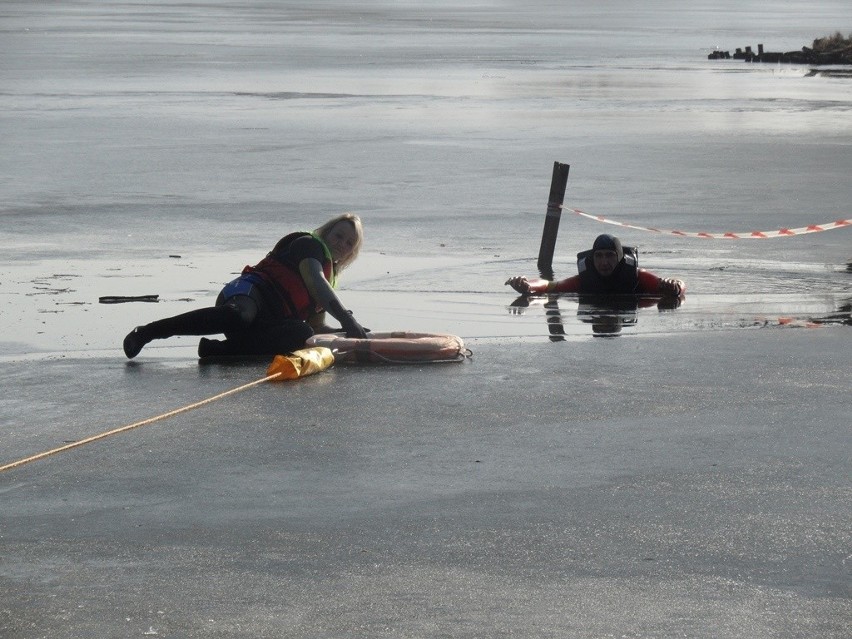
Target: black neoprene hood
{"x": 606, "y": 242}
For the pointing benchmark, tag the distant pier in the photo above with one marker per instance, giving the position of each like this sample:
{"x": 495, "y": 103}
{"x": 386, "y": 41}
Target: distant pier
{"x": 805, "y": 56}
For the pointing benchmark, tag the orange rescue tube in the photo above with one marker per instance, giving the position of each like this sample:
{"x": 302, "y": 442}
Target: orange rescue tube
{"x": 398, "y": 347}
{"x": 301, "y": 363}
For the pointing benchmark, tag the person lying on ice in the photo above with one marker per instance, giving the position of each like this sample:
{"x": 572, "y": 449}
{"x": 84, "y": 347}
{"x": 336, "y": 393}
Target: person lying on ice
{"x": 606, "y": 269}
{"x": 274, "y": 306}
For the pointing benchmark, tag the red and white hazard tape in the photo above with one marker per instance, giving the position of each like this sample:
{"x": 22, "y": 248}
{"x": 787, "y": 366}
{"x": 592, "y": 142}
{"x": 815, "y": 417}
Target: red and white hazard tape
{"x": 746, "y": 235}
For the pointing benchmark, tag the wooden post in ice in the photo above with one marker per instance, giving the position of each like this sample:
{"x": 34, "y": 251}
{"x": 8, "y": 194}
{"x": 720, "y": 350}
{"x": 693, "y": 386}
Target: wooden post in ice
{"x": 551, "y": 221}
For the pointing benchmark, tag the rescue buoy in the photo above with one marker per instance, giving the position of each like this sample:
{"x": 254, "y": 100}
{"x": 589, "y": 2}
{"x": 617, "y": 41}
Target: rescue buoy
{"x": 399, "y": 347}
{"x": 301, "y": 363}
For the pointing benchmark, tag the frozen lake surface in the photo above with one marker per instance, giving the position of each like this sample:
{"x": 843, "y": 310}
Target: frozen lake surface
{"x": 689, "y": 478}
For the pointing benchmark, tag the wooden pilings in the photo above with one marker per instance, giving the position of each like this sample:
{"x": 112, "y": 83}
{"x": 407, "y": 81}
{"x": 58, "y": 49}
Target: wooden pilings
{"x": 551, "y": 221}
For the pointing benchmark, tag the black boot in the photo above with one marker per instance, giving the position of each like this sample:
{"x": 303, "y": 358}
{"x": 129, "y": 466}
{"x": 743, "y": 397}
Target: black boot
{"x": 225, "y": 349}
{"x": 213, "y": 348}
{"x": 135, "y": 340}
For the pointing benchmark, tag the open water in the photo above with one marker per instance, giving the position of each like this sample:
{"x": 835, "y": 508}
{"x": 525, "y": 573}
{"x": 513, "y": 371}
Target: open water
{"x": 135, "y": 133}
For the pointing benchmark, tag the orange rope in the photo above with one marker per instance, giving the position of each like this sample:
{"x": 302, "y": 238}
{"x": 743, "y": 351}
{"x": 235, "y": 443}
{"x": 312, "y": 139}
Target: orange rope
{"x": 150, "y": 420}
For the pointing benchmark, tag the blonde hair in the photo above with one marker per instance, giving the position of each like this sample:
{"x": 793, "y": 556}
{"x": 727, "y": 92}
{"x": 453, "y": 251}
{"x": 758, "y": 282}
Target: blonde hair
{"x": 355, "y": 221}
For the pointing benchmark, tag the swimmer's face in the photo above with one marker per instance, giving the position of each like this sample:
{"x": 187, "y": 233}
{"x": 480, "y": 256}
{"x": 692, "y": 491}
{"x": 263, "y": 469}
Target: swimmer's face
{"x": 341, "y": 239}
{"x": 605, "y": 261}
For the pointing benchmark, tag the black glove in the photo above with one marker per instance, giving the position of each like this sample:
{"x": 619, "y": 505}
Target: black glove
{"x": 671, "y": 287}
{"x": 352, "y": 327}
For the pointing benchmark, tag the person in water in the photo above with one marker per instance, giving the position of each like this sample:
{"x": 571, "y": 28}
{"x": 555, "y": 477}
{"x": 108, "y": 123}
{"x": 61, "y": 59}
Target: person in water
{"x": 274, "y": 306}
{"x": 606, "y": 269}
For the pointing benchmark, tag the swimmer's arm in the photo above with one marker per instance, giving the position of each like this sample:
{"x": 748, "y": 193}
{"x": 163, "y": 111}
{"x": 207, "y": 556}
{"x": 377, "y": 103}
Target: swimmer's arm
{"x": 668, "y": 287}
{"x": 526, "y": 287}
{"x": 537, "y": 286}
{"x": 325, "y": 297}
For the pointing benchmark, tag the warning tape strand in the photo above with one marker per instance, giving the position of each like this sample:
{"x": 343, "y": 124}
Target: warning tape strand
{"x": 121, "y": 429}
{"x": 728, "y": 235}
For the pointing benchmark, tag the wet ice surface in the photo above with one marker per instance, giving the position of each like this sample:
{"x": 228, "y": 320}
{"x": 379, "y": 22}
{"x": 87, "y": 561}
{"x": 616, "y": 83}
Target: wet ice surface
{"x": 54, "y": 308}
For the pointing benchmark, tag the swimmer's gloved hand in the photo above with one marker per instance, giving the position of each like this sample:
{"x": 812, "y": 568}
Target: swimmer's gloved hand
{"x": 521, "y": 284}
{"x": 672, "y": 287}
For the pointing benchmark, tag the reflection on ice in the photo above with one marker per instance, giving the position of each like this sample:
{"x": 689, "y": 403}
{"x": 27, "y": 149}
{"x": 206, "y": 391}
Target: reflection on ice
{"x": 632, "y": 315}
{"x": 605, "y": 315}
